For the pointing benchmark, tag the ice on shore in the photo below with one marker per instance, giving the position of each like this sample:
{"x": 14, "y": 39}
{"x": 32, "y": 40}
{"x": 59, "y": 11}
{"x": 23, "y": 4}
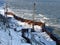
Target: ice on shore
{"x": 12, "y": 34}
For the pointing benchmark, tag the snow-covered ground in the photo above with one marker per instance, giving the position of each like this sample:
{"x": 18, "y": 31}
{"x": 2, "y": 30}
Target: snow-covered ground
{"x": 10, "y": 36}
{"x": 11, "y": 33}
{"x": 43, "y": 38}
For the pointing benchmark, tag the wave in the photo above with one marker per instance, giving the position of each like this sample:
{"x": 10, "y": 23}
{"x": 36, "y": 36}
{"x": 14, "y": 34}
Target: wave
{"x": 54, "y": 22}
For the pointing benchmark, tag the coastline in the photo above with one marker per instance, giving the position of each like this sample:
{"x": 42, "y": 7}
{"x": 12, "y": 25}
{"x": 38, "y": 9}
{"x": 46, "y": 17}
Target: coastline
{"x": 36, "y": 23}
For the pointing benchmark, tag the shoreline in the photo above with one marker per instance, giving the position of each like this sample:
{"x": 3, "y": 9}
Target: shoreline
{"x": 36, "y": 23}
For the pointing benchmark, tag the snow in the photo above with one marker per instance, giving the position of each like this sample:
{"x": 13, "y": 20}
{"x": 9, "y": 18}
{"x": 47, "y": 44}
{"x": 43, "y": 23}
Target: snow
{"x": 9, "y": 16}
{"x": 26, "y": 44}
{"x": 43, "y": 37}
{"x": 2, "y": 11}
{"x": 3, "y": 38}
{"x": 38, "y": 28}
{"x": 12, "y": 35}
{"x": 14, "y": 39}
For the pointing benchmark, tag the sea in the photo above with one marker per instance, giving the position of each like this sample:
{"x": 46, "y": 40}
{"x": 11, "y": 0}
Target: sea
{"x": 46, "y": 10}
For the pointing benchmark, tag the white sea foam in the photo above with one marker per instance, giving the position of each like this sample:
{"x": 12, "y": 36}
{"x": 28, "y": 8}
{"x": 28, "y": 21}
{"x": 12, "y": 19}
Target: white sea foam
{"x": 41, "y": 15}
{"x": 49, "y": 22}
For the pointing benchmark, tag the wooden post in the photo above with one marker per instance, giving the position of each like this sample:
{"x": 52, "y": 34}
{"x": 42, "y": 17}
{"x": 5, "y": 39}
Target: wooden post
{"x": 6, "y": 10}
{"x": 33, "y": 15}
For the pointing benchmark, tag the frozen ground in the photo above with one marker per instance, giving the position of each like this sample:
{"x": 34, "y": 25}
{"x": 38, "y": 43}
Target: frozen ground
{"x": 8, "y": 36}
{"x": 10, "y": 33}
